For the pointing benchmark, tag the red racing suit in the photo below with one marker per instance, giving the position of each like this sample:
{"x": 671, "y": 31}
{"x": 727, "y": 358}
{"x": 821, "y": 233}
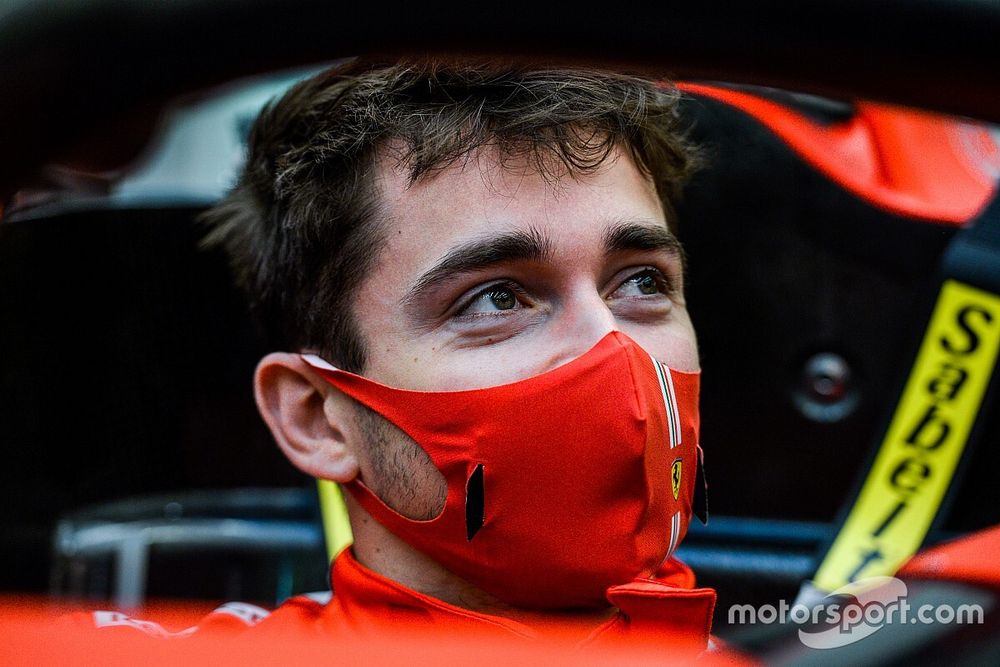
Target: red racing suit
{"x": 667, "y": 612}
{"x": 666, "y": 615}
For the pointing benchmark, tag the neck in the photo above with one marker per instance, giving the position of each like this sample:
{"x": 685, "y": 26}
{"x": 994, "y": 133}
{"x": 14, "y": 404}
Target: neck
{"x": 383, "y": 552}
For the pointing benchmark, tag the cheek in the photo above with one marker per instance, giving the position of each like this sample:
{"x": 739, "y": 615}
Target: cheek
{"x": 686, "y": 355}
{"x": 687, "y": 344}
{"x": 674, "y": 345}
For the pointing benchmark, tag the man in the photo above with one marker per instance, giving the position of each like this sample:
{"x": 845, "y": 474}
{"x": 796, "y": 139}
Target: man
{"x": 472, "y": 273}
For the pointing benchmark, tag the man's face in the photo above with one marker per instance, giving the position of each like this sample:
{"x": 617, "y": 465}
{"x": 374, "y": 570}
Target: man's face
{"x": 491, "y": 275}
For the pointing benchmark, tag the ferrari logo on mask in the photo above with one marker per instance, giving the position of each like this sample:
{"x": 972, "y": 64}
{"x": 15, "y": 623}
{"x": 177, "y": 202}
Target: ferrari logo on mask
{"x": 675, "y": 478}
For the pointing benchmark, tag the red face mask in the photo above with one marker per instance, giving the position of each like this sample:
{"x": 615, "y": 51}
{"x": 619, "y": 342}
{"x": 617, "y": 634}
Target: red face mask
{"x": 560, "y": 485}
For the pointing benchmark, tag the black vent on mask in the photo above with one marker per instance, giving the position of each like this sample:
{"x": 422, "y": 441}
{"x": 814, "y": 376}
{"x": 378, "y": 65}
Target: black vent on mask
{"x": 474, "y": 502}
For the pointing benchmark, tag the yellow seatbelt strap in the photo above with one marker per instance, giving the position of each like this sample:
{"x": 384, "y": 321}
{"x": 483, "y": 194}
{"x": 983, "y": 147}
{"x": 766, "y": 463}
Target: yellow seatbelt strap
{"x": 336, "y": 527}
{"x": 932, "y": 423}
{"x": 926, "y": 437}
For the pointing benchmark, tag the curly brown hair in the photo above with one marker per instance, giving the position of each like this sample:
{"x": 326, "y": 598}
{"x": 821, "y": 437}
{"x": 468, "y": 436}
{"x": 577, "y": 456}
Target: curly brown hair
{"x": 302, "y": 226}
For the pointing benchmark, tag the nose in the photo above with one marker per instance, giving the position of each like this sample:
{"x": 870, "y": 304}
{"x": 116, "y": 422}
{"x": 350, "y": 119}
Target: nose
{"x": 582, "y": 320}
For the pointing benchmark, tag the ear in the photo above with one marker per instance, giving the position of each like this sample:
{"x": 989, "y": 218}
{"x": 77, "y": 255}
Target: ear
{"x": 311, "y": 421}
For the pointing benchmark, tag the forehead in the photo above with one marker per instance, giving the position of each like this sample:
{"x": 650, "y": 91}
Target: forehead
{"x": 484, "y": 195}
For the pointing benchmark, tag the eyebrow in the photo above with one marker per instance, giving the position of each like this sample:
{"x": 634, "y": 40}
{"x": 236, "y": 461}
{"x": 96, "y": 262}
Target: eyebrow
{"x": 624, "y": 236}
{"x": 519, "y": 245}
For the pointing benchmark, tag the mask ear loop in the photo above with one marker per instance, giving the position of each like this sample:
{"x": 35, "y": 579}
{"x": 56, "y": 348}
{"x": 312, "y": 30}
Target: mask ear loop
{"x": 379, "y": 398}
{"x": 368, "y": 498}
{"x": 318, "y": 362}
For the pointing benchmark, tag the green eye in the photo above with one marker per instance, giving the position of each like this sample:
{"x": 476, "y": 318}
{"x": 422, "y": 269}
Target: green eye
{"x": 647, "y": 284}
{"x": 503, "y": 299}
{"x": 496, "y": 298}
